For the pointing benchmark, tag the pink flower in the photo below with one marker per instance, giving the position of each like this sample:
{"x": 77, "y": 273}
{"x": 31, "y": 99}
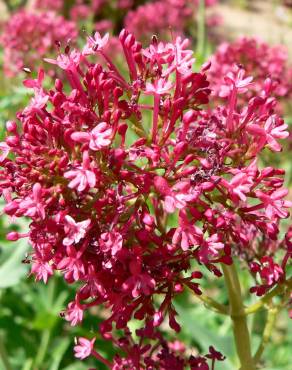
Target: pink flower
{"x": 74, "y": 313}
{"x": 210, "y": 248}
{"x": 139, "y": 282}
{"x": 161, "y": 87}
{"x": 29, "y": 36}
{"x": 98, "y": 138}
{"x": 75, "y": 231}
{"x": 111, "y": 242}
{"x": 186, "y": 235}
{"x": 269, "y": 133}
{"x": 84, "y": 347}
{"x": 112, "y": 237}
{"x": 274, "y": 203}
{"x": 270, "y": 272}
{"x": 33, "y": 206}
{"x": 238, "y": 81}
{"x": 68, "y": 62}
{"x": 240, "y": 185}
{"x": 37, "y": 103}
{"x": 72, "y": 264}
{"x": 177, "y": 196}
{"x": 95, "y": 43}
{"x": 80, "y": 179}
{"x": 42, "y": 270}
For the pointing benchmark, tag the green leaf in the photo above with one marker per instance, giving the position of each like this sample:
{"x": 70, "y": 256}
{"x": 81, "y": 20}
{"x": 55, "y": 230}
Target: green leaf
{"x": 12, "y": 270}
{"x": 58, "y": 353}
{"x": 194, "y": 322}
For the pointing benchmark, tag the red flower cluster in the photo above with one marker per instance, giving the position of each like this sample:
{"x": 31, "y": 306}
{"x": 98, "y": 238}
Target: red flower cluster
{"x": 258, "y": 59}
{"x": 100, "y": 170}
{"x": 29, "y": 36}
{"x": 56, "y": 5}
{"x": 163, "y": 17}
{"x": 160, "y": 17}
{"x": 166, "y": 356}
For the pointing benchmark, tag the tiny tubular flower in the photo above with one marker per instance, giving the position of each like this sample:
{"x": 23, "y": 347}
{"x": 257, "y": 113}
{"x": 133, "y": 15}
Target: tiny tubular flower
{"x": 274, "y": 203}
{"x": 75, "y": 231}
{"x": 83, "y": 347}
{"x": 95, "y": 43}
{"x": 98, "y": 138}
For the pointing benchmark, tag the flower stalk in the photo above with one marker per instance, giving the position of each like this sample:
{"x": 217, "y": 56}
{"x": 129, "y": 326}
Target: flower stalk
{"x": 279, "y": 289}
{"x": 272, "y": 314}
{"x": 238, "y": 316}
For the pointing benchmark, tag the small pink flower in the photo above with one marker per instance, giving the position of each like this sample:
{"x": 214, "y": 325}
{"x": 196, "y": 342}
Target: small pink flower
{"x": 274, "y": 132}
{"x": 139, "y": 283}
{"x": 74, "y": 313}
{"x": 42, "y": 270}
{"x": 210, "y": 248}
{"x": 180, "y": 195}
{"x": 176, "y": 197}
{"x": 84, "y": 348}
{"x": 269, "y": 133}
{"x": 241, "y": 184}
{"x": 37, "y": 103}
{"x": 72, "y": 264}
{"x": 95, "y": 43}
{"x": 67, "y": 61}
{"x": 238, "y": 80}
{"x": 75, "y": 231}
{"x": 270, "y": 272}
{"x": 80, "y": 179}
{"x": 98, "y": 138}
{"x": 33, "y": 206}
{"x": 274, "y": 203}
{"x": 160, "y": 87}
{"x": 186, "y": 235}
{"x": 111, "y": 242}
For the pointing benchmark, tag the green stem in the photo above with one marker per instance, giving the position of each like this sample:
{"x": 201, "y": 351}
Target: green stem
{"x": 201, "y": 40}
{"x": 46, "y": 335}
{"x": 237, "y": 314}
{"x": 279, "y": 289}
{"x": 4, "y": 355}
{"x": 28, "y": 364}
{"x": 272, "y": 314}
{"x": 218, "y": 307}
{"x": 42, "y": 348}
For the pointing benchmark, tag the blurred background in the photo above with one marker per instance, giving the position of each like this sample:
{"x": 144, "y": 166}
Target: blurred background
{"x": 33, "y": 333}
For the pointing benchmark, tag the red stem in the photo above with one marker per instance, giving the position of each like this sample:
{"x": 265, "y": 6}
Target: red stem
{"x": 101, "y": 359}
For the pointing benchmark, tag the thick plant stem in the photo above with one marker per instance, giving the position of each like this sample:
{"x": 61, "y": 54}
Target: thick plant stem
{"x": 237, "y": 314}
